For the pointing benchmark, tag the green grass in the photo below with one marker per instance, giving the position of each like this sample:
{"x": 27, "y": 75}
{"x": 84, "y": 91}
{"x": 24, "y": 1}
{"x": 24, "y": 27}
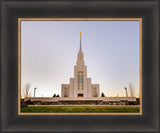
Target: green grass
{"x": 80, "y": 109}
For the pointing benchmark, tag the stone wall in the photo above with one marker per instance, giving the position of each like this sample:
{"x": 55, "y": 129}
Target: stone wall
{"x": 56, "y": 99}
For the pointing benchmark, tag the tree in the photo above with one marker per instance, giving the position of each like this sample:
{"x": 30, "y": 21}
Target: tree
{"x": 102, "y": 94}
{"x": 54, "y": 95}
{"x": 57, "y": 95}
{"x": 131, "y": 90}
{"x": 26, "y": 89}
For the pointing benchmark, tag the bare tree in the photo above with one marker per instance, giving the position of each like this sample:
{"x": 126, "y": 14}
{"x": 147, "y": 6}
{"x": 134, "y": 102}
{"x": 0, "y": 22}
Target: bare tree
{"x": 131, "y": 90}
{"x": 26, "y": 89}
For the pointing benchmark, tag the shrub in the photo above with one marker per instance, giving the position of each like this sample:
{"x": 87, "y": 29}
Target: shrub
{"x": 29, "y": 102}
{"x": 102, "y": 95}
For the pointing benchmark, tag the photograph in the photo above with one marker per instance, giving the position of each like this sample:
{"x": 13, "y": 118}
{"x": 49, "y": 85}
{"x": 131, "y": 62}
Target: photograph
{"x": 80, "y": 66}
{"x": 89, "y": 66}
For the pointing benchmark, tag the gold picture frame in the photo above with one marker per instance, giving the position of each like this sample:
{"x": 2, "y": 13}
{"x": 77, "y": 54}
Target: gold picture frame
{"x": 76, "y": 19}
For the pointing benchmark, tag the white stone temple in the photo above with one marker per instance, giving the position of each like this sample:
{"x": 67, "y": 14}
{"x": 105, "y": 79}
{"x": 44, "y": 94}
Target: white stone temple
{"x": 80, "y": 85}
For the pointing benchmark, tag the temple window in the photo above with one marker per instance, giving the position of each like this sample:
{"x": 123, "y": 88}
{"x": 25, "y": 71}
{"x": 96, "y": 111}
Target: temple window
{"x": 66, "y": 92}
{"x": 80, "y": 80}
{"x": 95, "y": 92}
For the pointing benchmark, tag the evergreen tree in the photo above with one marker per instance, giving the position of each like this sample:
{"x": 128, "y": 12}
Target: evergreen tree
{"x": 54, "y": 95}
{"x": 102, "y": 95}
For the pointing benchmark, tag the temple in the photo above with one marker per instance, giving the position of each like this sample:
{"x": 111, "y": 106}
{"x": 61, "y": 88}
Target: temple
{"x": 80, "y": 85}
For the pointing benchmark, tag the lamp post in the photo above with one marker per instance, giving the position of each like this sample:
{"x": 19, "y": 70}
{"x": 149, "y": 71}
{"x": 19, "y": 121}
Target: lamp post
{"x": 34, "y": 91}
{"x": 126, "y": 91}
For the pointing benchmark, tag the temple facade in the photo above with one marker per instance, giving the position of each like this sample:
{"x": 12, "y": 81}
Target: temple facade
{"x": 80, "y": 85}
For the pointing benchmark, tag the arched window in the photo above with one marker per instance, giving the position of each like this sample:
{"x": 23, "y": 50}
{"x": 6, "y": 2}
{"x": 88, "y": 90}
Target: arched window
{"x": 80, "y": 80}
{"x": 66, "y": 92}
{"x": 95, "y": 92}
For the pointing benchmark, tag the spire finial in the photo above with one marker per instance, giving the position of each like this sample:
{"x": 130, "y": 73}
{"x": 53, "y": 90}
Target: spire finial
{"x": 80, "y": 39}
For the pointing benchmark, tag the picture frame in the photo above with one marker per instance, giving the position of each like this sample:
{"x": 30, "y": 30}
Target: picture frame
{"x": 147, "y": 10}
{"x": 139, "y": 76}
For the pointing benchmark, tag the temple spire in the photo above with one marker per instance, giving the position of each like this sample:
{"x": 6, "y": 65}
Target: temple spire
{"x": 80, "y": 53}
{"x": 80, "y": 41}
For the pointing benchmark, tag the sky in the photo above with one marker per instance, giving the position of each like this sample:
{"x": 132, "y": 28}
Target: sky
{"x": 49, "y": 52}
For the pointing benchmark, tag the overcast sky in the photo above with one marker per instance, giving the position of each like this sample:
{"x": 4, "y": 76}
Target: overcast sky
{"x": 49, "y": 52}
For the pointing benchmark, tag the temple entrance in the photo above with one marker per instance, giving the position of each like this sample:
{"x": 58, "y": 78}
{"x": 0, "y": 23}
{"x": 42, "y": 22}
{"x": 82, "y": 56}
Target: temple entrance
{"x": 80, "y": 95}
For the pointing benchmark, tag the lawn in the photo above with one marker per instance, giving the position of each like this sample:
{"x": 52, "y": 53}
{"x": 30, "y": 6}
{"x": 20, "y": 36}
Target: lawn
{"x": 80, "y": 109}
